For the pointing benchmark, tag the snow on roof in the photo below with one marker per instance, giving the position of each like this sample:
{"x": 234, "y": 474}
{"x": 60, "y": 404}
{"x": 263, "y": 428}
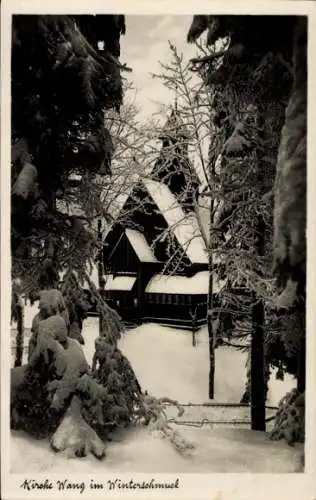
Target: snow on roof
{"x": 184, "y": 227}
{"x": 119, "y": 282}
{"x": 196, "y": 285}
{"x": 140, "y": 246}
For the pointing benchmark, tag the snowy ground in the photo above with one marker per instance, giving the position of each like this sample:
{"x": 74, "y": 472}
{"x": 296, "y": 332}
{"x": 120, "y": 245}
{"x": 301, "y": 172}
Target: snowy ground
{"x": 167, "y": 365}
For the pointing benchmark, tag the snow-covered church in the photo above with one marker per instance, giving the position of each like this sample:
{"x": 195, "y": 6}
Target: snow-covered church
{"x": 156, "y": 262}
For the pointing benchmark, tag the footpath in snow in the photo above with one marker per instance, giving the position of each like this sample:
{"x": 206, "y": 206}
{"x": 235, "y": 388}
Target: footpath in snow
{"x": 167, "y": 365}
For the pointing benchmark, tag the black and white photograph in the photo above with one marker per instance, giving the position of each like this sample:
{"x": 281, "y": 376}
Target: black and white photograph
{"x": 157, "y": 255}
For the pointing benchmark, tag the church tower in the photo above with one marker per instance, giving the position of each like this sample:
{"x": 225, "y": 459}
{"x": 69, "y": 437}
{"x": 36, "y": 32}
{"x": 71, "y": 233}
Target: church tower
{"x": 173, "y": 166}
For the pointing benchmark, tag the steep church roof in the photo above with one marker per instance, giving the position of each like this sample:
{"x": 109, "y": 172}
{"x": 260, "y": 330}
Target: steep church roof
{"x": 173, "y": 188}
{"x": 184, "y": 226}
{"x": 174, "y": 127}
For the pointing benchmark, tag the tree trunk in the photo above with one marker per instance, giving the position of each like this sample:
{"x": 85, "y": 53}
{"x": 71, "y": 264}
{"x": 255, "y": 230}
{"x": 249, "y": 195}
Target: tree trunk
{"x": 20, "y": 333}
{"x": 257, "y": 351}
{"x": 194, "y": 327}
{"x": 211, "y": 337}
{"x": 211, "y": 343}
{"x": 257, "y": 368}
{"x": 100, "y": 271}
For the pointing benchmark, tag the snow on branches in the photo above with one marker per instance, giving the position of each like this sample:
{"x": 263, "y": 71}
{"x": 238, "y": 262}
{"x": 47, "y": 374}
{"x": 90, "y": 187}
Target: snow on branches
{"x": 61, "y": 86}
{"x": 290, "y": 184}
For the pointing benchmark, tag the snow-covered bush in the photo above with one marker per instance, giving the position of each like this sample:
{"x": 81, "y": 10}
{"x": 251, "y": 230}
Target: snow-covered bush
{"x": 290, "y": 419}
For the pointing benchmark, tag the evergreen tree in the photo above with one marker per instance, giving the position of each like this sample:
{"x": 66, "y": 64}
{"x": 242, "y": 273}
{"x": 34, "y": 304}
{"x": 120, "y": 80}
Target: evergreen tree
{"x": 65, "y": 93}
{"x": 250, "y": 80}
{"x": 61, "y": 87}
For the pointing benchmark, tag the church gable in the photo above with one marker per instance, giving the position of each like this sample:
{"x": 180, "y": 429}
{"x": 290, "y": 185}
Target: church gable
{"x": 158, "y": 213}
{"x": 121, "y": 257}
{"x": 182, "y": 226}
{"x": 143, "y": 215}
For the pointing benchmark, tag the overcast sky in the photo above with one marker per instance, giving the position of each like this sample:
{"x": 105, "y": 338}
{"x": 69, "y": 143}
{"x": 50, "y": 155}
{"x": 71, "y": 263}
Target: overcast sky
{"x": 144, "y": 45}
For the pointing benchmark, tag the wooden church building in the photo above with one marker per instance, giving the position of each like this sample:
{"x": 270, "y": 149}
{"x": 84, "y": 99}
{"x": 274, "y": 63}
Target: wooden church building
{"x": 156, "y": 263}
